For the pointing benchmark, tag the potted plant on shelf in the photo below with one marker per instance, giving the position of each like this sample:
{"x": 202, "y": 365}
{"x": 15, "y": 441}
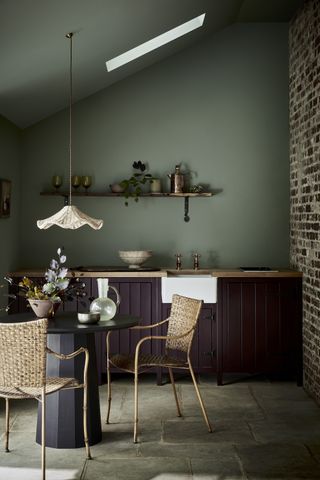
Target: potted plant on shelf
{"x": 45, "y": 296}
{"x": 133, "y": 187}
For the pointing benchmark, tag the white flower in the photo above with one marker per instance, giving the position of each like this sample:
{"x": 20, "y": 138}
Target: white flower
{"x": 63, "y": 258}
{"x": 59, "y": 251}
{"x": 54, "y": 264}
{"x": 62, "y": 272}
{"x": 50, "y": 275}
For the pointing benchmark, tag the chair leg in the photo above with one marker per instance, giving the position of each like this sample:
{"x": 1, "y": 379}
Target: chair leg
{"x": 135, "y": 428}
{"x": 109, "y": 391}
{"x": 204, "y": 413}
{"x": 174, "y": 391}
{"x": 43, "y": 434}
{"x": 108, "y": 375}
{"x": 7, "y": 425}
{"x": 85, "y": 421}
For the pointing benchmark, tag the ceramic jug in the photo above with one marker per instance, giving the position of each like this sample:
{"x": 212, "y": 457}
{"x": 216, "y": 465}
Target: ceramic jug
{"x": 103, "y": 304}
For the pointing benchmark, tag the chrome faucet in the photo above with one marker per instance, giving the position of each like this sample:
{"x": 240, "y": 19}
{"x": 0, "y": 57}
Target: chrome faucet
{"x": 196, "y": 257}
{"x": 178, "y": 261}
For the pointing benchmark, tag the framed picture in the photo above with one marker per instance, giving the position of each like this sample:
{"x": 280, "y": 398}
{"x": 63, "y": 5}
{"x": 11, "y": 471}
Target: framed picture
{"x": 5, "y": 198}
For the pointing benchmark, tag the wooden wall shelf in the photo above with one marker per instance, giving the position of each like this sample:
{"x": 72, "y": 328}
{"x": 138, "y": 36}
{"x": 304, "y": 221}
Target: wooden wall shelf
{"x": 186, "y": 197}
{"x": 107, "y": 194}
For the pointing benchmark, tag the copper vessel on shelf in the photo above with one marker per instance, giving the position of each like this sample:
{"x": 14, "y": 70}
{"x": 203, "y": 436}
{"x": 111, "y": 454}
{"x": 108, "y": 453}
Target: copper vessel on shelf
{"x": 177, "y": 180}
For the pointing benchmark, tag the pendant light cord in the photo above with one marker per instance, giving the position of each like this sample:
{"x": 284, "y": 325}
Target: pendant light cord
{"x": 70, "y": 35}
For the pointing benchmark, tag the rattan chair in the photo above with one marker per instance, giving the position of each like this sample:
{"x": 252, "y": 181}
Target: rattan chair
{"x": 180, "y": 332}
{"x": 23, "y": 353}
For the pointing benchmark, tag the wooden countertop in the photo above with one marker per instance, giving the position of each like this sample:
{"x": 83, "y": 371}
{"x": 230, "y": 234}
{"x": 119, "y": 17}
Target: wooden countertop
{"x": 167, "y": 272}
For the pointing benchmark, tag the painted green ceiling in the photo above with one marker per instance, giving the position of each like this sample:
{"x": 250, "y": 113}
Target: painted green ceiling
{"x": 34, "y": 51}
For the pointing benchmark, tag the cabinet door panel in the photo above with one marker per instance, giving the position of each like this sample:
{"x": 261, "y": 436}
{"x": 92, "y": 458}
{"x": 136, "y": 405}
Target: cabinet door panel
{"x": 123, "y": 345}
{"x": 260, "y": 327}
{"x": 232, "y": 328}
{"x": 248, "y": 326}
{"x": 273, "y": 325}
{"x": 140, "y": 305}
{"x": 138, "y": 297}
{"x": 260, "y": 321}
{"x": 207, "y": 339}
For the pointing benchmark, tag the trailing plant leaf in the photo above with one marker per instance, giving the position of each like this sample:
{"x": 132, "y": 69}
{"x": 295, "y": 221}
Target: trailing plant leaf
{"x": 132, "y": 186}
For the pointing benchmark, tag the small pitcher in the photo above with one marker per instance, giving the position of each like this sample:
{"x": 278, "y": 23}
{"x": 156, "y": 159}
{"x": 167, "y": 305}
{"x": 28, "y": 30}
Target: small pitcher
{"x": 103, "y": 304}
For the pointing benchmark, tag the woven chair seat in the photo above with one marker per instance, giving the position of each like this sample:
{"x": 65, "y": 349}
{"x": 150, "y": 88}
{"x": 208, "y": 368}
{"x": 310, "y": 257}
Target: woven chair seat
{"x": 126, "y": 362}
{"x": 52, "y": 385}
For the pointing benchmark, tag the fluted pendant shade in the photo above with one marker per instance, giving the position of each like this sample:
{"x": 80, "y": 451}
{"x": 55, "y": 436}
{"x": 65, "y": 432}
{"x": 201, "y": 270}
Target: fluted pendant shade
{"x": 70, "y": 217}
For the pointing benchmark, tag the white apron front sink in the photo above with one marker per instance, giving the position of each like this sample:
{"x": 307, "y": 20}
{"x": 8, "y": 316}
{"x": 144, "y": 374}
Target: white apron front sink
{"x": 201, "y": 287}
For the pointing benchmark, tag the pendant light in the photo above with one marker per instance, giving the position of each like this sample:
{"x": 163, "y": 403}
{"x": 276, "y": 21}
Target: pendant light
{"x": 70, "y": 217}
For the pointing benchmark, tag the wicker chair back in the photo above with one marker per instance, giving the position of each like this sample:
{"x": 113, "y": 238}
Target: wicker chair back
{"x": 183, "y": 317}
{"x": 23, "y": 353}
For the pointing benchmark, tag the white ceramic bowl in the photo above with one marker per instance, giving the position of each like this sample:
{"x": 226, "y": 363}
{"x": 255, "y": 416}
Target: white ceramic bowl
{"x": 88, "y": 318}
{"x": 134, "y": 258}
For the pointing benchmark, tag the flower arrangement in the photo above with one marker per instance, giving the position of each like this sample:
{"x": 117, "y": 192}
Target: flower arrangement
{"x": 55, "y": 287}
{"x": 56, "y": 283}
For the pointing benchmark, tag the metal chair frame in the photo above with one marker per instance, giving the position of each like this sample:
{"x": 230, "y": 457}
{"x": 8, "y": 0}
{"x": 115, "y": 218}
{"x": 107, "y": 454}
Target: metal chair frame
{"x": 171, "y": 340}
{"x": 11, "y": 390}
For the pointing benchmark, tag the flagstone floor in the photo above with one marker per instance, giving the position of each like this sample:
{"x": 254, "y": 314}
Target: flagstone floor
{"x": 262, "y": 430}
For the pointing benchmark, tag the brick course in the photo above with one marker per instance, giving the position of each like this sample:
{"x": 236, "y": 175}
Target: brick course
{"x": 304, "y": 96}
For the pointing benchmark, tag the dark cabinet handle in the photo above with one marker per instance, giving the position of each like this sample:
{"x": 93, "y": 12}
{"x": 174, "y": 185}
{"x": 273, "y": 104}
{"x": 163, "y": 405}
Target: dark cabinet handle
{"x": 209, "y": 354}
{"x": 210, "y": 317}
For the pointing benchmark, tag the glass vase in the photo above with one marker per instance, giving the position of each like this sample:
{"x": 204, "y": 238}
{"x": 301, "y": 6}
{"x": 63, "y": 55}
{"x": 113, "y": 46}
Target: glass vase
{"x": 103, "y": 304}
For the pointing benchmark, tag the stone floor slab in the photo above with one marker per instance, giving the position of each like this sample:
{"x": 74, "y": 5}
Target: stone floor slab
{"x": 203, "y": 451}
{"x": 223, "y": 467}
{"x": 278, "y": 461}
{"x": 138, "y": 469}
{"x": 197, "y": 433}
{"x": 297, "y": 430}
{"x": 24, "y": 460}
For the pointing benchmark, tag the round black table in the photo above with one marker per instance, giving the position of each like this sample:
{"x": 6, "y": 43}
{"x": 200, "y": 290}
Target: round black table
{"x": 64, "y": 427}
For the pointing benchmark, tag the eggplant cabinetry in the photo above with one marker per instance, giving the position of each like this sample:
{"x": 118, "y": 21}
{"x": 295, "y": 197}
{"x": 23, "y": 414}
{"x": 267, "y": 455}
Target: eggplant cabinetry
{"x": 259, "y": 326}
{"x": 255, "y": 327}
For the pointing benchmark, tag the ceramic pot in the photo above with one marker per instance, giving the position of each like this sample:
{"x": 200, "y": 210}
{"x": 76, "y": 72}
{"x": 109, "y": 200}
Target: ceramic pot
{"x": 44, "y": 308}
{"x": 116, "y": 188}
{"x": 155, "y": 185}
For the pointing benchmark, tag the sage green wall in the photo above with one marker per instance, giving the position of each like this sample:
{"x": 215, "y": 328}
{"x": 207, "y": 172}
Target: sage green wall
{"x": 9, "y": 227}
{"x": 221, "y": 108}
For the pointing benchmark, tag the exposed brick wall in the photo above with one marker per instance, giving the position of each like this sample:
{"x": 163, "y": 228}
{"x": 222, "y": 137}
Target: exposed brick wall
{"x": 304, "y": 42}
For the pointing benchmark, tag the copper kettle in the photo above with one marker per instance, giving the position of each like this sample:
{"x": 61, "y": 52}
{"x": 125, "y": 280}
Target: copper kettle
{"x": 177, "y": 180}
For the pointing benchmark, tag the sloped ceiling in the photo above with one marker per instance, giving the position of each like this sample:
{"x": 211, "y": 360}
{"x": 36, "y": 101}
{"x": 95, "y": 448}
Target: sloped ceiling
{"x": 34, "y": 52}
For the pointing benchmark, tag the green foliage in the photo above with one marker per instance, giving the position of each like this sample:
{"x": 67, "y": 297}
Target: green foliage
{"x": 133, "y": 186}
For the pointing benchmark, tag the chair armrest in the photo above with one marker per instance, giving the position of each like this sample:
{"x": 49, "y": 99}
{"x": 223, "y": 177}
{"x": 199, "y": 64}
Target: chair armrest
{"x": 157, "y": 337}
{"x": 146, "y": 327}
{"x": 63, "y": 356}
{"x": 69, "y": 356}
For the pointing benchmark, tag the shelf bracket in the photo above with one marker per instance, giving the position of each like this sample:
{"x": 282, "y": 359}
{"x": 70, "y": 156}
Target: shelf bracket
{"x": 186, "y": 209}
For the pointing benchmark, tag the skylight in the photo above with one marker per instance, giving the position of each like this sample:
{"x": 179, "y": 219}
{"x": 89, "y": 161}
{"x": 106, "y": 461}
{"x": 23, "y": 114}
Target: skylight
{"x": 155, "y": 42}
